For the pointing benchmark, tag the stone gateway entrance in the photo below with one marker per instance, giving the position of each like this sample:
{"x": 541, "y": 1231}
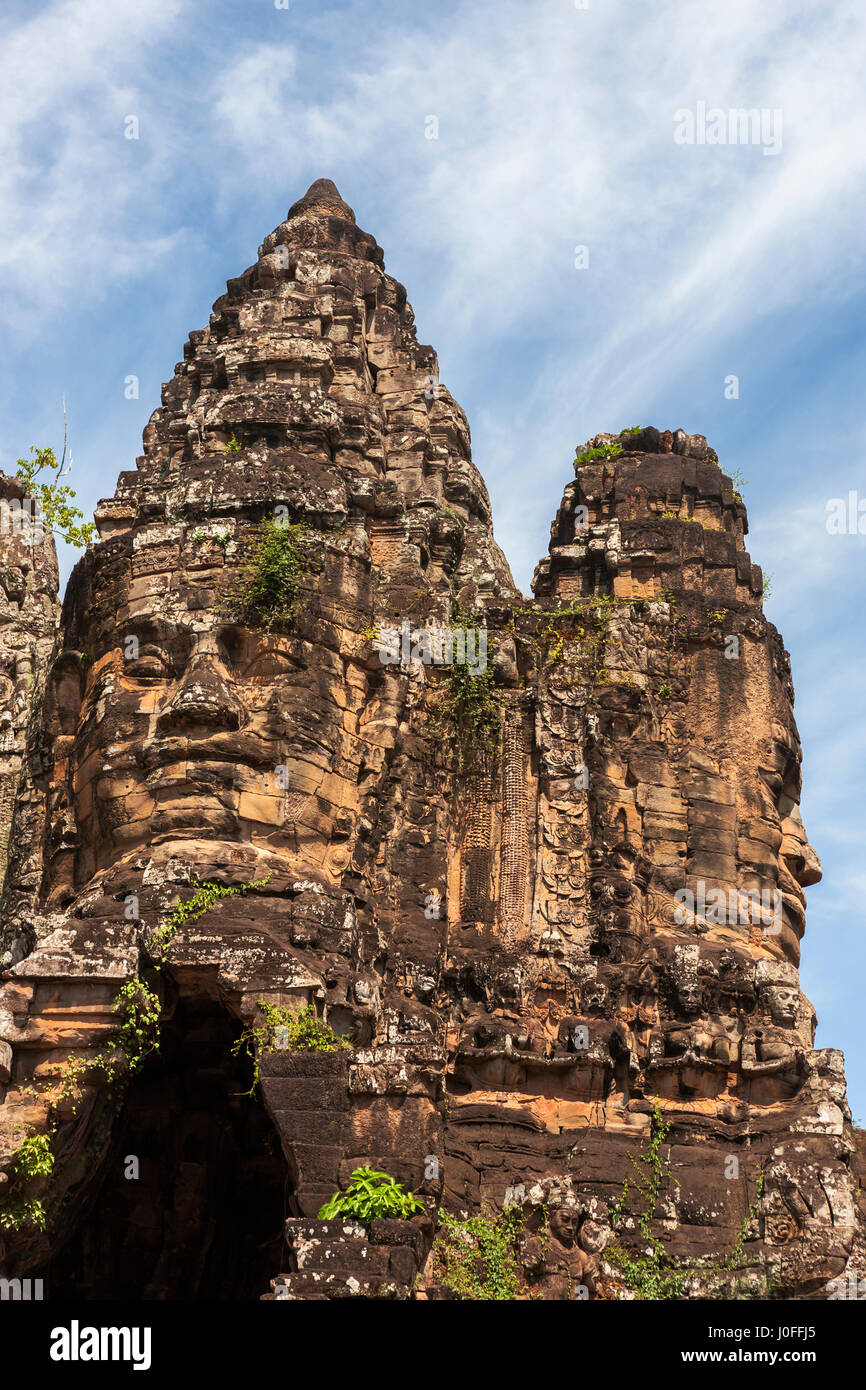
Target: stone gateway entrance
{"x": 191, "y": 1198}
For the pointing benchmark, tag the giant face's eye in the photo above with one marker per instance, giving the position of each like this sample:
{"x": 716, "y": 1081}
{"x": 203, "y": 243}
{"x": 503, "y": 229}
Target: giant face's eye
{"x": 782, "y": 779}
{"x": 267, "y": 665}
{"x": 151, "y": 664}
{"x": 773, "y": 781}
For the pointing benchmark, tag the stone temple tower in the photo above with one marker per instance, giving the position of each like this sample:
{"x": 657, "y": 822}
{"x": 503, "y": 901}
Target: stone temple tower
{"x": 550, "y": 899}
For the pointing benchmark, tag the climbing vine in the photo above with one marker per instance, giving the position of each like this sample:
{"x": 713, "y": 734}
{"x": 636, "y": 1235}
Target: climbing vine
{"x": 477, "y": 1258}
{"x": 139, "y": 1011}
{"x": 655, "y": 1275}
{"x": 204, "y": 897}
{"x": 467, "y": 705}
{"x": 33, "y": 1158}
{"x": 665, "y": 689}
{"x": 467, "y": 712}
{"x": 575, "y": 634}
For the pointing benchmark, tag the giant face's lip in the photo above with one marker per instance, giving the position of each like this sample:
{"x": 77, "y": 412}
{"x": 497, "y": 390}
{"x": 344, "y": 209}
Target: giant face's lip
{"x": 221, "y": 777}
{"x": 250, "y": 750}
{"x": 795, "y": 911}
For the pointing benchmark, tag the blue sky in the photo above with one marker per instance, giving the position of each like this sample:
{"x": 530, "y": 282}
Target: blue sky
{"x": 555, "y": 129}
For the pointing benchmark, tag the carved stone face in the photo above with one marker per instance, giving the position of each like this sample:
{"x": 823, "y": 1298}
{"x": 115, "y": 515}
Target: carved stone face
{"x": 563, "y": 1225}
{"x": 181, "y": 736}
{"x": 700, "y": 758}
{"x": 686, "y": 978}
{"x": 191, "y": 728}
{"x": 798, "y": 864}
{"x": 781, "y": 997}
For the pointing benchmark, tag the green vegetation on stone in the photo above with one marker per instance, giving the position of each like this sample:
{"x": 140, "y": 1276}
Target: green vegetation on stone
{"x": 477, "y": 1257}
{"x": 371, "y": 1195}
{"x": 601, "y": 452}
{"x": 139, "y": 1009}
{"x": 204, "y": 897}
{"x": 468, "y": 715}
{"x": 54, "y": 497}
{"x": 654, "y": 1274}
{"x": 269, "y": 588}
{"x": 285, "y": 1030}
{"x": 738, "y": 482}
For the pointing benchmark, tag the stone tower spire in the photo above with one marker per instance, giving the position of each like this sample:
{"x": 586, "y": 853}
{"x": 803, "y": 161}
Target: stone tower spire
{"x": 322, "y": 196}
{"x": 550, "y": 899}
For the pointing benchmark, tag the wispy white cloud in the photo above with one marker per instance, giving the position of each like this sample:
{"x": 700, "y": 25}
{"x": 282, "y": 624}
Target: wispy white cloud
{"x": 556, "y": 129}
{"x": 70, "y": 182}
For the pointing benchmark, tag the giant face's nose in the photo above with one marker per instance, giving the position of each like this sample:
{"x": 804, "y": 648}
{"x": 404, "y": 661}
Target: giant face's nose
{"x": 203, "y": 698}
{"x": 800, "y": 858}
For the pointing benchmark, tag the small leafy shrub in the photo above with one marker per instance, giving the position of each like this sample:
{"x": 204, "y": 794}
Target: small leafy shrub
{"x": 54, "y": 497}
{"x": 633, "y": 429}
{"x": 738, "y": 482}
{"x": 601, "y": 451}
{"x": 477, "y": 1258}
{"x": 768, "y": 585}
{"x": 30, "y": 1211}
{"x": 217, "y": 537}
{"x": 33, "y": 1158}
{"x": 233, "y": 447}
{"x": 285, "y": 1030}
{"x": 468, "y": 714}
{"x": 268, "y": 596}
{"x": 369, "y": 1196}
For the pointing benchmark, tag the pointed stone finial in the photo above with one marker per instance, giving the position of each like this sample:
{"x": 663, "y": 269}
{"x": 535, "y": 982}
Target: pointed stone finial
{"x": 324, "y": 196}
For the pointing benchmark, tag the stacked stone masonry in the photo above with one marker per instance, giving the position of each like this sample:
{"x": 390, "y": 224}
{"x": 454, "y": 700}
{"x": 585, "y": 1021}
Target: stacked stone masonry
{"x": 521, "y": 1033}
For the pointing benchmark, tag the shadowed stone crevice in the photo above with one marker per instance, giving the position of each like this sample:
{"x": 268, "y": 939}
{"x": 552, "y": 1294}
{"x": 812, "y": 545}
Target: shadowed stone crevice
{"x": 204, "y": 1217}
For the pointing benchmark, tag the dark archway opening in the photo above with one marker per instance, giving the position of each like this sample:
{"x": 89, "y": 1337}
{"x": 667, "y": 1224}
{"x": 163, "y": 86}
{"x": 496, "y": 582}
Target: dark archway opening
{"x": 204, "y": 1219}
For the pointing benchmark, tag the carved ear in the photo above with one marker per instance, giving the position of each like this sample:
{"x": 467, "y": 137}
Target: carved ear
{"x": 65, "y": 693}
